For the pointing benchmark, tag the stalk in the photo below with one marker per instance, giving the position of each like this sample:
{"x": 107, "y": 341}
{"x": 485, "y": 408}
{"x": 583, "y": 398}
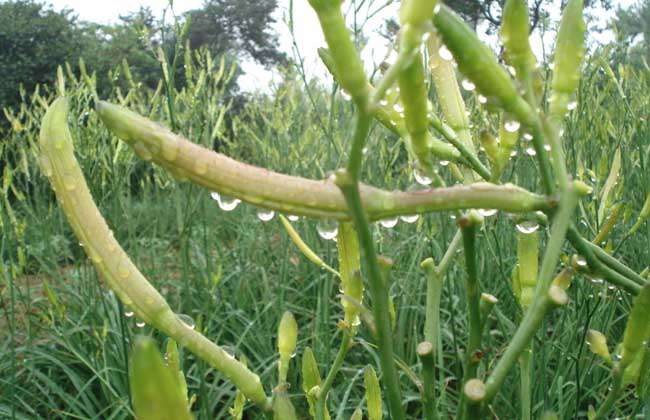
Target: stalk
{"x": 321, "y": 402}
{"x": 347, "y": 181}
{"x": 425, "y": 351}
{"x": 296, "y": 195}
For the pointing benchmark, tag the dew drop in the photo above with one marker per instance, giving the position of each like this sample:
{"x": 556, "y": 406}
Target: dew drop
{"x": 327, "y": 229}
{"x": 528, "y": 137}
{"x": 140, "y": 324}
{"x": 46, "y": 165}
{"x": 187, "y": 320}
{"x": 595, "y": 280}
{"x": 215, "y": 196}
{"x": 142, "y": 151}
{"x": 346, "y": 96}
{"x": 482, "y": 99}
{"x": 128, "y": 314}
{"x": 512, "y": 126}
{"x": 265, "y": 215}
{"x": 527, "y": 227}
{"x": 201, "y": 167}
{"x": 547, "y": 147}
{"x": 383, "y": 102}
{"x": 581, "y": 261}
{"x": 389, "y": 223}
{"x": 445, "y": 54}
{"x": 69, "y": 182}
{"x": 530, "y": 151}
{"x": 468, "y": 85}
{"x": 293, "y": 217}
{"x": 421, "y": 179}
{"x": 426, "y": 36}
{"x": 513, "y": 153}
{"x": 572, "y": 105}
{"x": 123, "y": 269}
{"x": 227, "y": 203}
{"x": 436, "y": 9}
{"x": 444, "y": 163}
{"x": 410, "y": 218}
{"x": 398, "y": 108}
{"x": 487, "y": 212}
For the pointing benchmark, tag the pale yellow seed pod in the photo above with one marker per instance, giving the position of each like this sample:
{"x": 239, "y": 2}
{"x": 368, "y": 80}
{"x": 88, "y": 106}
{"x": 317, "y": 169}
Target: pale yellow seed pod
{"x": 287, "y": 339}
{"x": 598, "y": 344}
{"x": 373, "y": 393}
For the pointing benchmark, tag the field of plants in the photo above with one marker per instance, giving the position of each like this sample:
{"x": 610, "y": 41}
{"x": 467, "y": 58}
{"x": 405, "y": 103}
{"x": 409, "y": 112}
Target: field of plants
{"x": 444, "y": 276}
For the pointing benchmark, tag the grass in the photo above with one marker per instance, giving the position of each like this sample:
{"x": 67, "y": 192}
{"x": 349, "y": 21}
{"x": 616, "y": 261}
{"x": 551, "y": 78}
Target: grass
{"x": 64, "y": 338}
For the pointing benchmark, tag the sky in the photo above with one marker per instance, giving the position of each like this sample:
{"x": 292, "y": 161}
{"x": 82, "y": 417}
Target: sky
{"x": 306, "y": 28}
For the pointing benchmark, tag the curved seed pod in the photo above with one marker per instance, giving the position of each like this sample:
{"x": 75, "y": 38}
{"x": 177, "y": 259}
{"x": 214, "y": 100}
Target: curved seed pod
{"x": 174, "y": 364}
{"x": 287, "y": 339}
{"x": 637, "y": 330}
{"x": 304, "y": 248}
{"x": 569, "y": 52}
{"x": 121, "y": 275}
{"x": 311, "y": 381}
{"x": 514, "y": 35}
{"x": 297, "y": 195}
{"x": 607, "y": 227}
{"x": 347, "y": 63}
{"x": 373, "y": 393}
{"x": 154, "y": 386}
{"x": 357, "y": 415}
{"x": 478, "y": 63}
{"x": 350, "y": 266}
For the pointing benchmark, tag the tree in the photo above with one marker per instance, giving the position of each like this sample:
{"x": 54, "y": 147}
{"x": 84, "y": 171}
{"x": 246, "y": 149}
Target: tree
{"x": 632, "y": 23}
{"x": 238, "y": 28}
{"x": 34, "y": 40}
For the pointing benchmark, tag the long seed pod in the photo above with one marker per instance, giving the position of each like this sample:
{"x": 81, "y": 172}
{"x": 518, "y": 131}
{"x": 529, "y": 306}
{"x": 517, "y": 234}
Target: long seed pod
{"x": 373, "y": 393}
{"x": 569, "y": 52}
{"x": 154, "y": 386}
{"x": 304, "y": 248}
{"x": 311, "y": 381}
{"x": 514, "y": 35}
{"x": 478, "y": 63}
{"x": 637, "y": 330}
{"x": 350, "y": 266}
{"x": 295, "y": 195}
{"x": 528, "y": 255}
{"x": 287, "y": 339}
{"x": 347, "y": 63}
{"x": 643, "y": 216}
{"x": 121, "y": 275}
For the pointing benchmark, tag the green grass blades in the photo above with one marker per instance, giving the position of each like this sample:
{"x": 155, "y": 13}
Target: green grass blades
{"x": 156, "y": 389}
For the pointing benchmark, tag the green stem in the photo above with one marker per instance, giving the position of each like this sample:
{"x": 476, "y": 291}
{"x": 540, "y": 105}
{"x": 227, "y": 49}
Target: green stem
{"x": 321, "y": 402}
{"x": 347, "y": 180}
{"x": 542, "y": 301}
{"x": 525, "y": 373}
{"x": 616, "y": 265}
{"x": 426, "y": 352}
{"x": 613, "y": 396}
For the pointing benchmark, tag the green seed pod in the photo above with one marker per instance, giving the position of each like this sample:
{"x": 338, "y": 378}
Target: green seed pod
{"x": 514, "y": 35}
{"x": 569, "y": 52}
{"x": 154, "y": 387}
{"x": 282, "y": 407}
{"x": 563, "y": 279}
{"x": 637, "y": 330}
{"x": 528, "y": 255}
{"x": 173, "y": 362}
{"x": 110, "y": 260}
{"x": 643, "y": 216}
{"x": 303, "y": 247}
{"x": 373, "y": 393}
{"x": 357, "y": 415}
{"x": 350, "y": 266}
{"x": 347, "y": 63}
{"x": 310, "y": 371}
{"x": 632, "y": 374}
{"x": 416, "y": 12}
{"x": 598, "y": 344}
{"x": 478, "y": 63}
{"x": 287, "y": 339}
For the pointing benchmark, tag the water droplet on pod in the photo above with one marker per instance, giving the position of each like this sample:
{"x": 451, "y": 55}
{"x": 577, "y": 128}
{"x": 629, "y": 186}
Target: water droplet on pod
{"x": 421, "y": 179}
{"x": 530, "y": 151}
{"x": 187, "y": 320}
{"x": 444, "y": 163}
{"x": 487, "y": 212}
{"x": 482, "y": 99}
{"x": 327, "y": 229}
{"x": 468, "y": 85}
{"x": 445, "y": 54}
{"x": 293, "y": 218}
{"x": 511, "y": 126}
{"x": 572, "y": 105}
{"x": 265, "y": 215}
{"x": 527, "y": 227}
{"x": 128, "y": 314}
{"x": 410, "y": 218}
{"x": 389, "y": 223}
{"x": 140, "y": 324}
{"x": 581, "y": 261}
{"x": 227, "y": 203}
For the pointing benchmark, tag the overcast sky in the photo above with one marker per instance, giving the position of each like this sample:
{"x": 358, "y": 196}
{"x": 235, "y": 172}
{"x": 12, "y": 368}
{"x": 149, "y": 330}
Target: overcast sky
{"x": 307, "y": 31}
